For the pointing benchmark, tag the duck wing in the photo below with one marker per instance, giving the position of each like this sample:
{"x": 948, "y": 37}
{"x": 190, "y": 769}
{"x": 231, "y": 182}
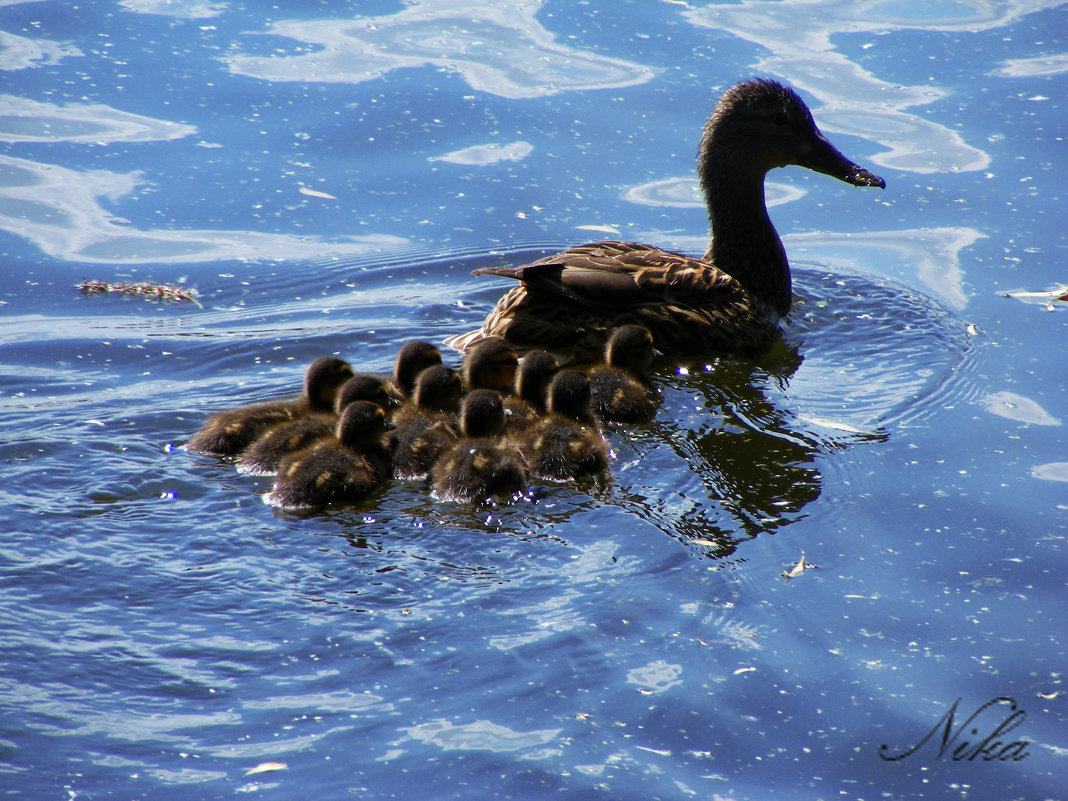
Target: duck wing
{"x": 616, "y": 275}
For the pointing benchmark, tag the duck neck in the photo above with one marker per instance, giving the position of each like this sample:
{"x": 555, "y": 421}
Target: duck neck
{"x": 744, "y": 242}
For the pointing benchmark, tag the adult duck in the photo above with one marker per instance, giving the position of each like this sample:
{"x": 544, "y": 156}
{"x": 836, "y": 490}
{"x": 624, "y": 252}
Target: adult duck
{"x": 728, "y": 301}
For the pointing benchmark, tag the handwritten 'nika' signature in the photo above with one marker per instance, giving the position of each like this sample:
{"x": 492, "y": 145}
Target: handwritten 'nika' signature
{"x": 993, "y": 746}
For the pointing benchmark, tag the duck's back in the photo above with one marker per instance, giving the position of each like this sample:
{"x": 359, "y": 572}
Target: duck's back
{"x": 570, "y": 301}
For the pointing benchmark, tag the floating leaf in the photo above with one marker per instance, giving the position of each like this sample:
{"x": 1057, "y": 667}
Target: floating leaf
{"x": 266, "y": 767}
{"x": 797, "y": 569}
{"x": 1016, "y": 407}
{"x": 313, "y": 193}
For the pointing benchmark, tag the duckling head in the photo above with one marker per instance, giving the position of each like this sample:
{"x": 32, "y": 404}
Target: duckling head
{"x": 364, "y": 387}
{"x": 536, "y": 371}
{"x": 482, "y": 414}
{"x": 630, "y": 348}
{"x": 759, "y": 124}
{"x": 569, "y": 395}
{"x": 491, "y": 364}
{"x": 412, "y": 359}
{"x": 362, "y": 425}
{"x": 438, "y": 388}
{"x": 323, "y": 379}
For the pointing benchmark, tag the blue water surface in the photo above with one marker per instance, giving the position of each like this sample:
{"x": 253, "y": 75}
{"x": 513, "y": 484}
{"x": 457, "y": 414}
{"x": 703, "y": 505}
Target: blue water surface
{"x": 325, "y": 176}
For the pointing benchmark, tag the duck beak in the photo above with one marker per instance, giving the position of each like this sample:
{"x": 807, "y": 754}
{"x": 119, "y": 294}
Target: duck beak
{"x": 824, "y": 157}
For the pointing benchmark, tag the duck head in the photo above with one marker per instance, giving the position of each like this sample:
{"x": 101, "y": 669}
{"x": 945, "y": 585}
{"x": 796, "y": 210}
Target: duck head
{"x": 761, "y": 124}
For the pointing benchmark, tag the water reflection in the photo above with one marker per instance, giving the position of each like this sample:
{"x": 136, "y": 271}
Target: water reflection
{"x": 60, "y": 211}
{"x": 24, "y": 120}
{"x": 19, "y": 52}
{"x": 182, "y": 9}
{"x": 496, "y": 47}
{"x": 1034, "y": 67}
{"x": 483, "y": 155}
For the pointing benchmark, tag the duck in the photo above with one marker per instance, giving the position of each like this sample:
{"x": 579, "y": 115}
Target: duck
{"x": 482, "y": 462}
{"x": 567, "y": 442}
{"x": 343, "y": 468}
{"x": 532, "y": 379}
{"x": 230, "y": 432}
{"x": 490, "y": 364}
{"x": 413, "y": 357}
{"x": 267, "y": 452}
{"x": 729, "y": 301}
{"x": 427, "y": 425}
{"x": 619, "y": 389}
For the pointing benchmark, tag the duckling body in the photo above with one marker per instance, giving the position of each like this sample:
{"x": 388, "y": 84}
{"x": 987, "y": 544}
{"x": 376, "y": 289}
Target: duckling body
{"x": 482, "y": 462}
{"x": 339, "y": 469}
{"x": 427, "y": 425}
{"x": 266, "y": 453}
{"x": 229, "y": 433}
{"x": 730, "y": 300}
{"x": 566, "y": 443}
{"x": 619, "y": 389}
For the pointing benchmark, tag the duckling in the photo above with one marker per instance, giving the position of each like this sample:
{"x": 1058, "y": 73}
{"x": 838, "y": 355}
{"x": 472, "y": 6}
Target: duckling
{"x": 728, "y": 301}
{"x": 491, "y": 364}
{"x": 264, "y": 455}
{"x": 342, "y": 468}
{"x": 482, "y": 463}
{"x": 229, "y": 433}
{"x": 412, "y": 359}
{"x": 426, "y": 425}
{"x": 536, "y": 371}
{"x": 620, "y": 388}
{"x": 566, "y": 443}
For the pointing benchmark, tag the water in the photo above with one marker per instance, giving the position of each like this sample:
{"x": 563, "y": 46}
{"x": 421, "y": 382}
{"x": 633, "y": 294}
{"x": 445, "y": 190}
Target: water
{"x": 326, "y": 177}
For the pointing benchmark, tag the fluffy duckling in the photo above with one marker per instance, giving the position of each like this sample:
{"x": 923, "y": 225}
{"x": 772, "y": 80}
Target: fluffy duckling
{"x": 532, "y": 379}
{"x": 339, "y": 469}
{"x": 412, "y": 359}
{"x": 620, "y": 388}
{"x": 566, "y": 443}
{"x": 491, "y": 364}
{"x": 426, "y": 425}
{"x": 229, "y": 433}
{"x": 266, "y": 453}
{"x": 482, "y": 463}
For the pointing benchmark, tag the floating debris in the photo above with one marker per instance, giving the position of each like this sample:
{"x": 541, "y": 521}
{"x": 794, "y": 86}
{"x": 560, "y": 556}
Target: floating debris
{"x": 266, "y": 767}
{"x": 144, "y": 289}
{"x": 1045, "y": 298}
{"x": 797, "y": 569}
{"x": 315, "y": 193}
